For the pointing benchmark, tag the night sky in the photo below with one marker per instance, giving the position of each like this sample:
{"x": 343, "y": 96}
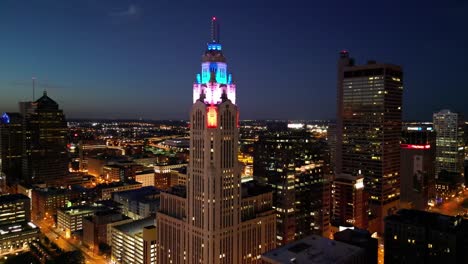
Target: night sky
{"x": 132, "y": 59}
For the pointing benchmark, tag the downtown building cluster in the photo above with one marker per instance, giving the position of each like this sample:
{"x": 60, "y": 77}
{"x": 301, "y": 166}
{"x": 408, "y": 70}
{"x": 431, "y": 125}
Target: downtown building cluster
{"x": 298, "y": 198}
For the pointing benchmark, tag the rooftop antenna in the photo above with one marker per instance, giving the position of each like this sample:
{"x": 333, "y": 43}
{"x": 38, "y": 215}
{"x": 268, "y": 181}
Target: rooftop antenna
{"x": 214, "y": 30}
{"x": 34, "y": 88}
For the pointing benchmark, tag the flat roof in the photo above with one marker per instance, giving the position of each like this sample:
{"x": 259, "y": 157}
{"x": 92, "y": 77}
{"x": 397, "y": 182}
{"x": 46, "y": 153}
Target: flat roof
{"x": 137, "y": 226}
{"x": 313, "y": 249}
{"x": 8, "y": 198}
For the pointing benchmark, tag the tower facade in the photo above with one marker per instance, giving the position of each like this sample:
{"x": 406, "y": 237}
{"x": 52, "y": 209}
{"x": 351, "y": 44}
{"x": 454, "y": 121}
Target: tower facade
{"x": 45, "y": 157}
{"x": 292, "y": 163}
{"x": 369, "y": 130}
{"x": 209, "y": 220}
{"x": 449, "y": 127}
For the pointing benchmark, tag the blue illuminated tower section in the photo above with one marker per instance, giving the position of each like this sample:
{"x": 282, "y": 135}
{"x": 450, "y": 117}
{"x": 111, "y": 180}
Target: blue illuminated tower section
{"x": 214, "y": 81}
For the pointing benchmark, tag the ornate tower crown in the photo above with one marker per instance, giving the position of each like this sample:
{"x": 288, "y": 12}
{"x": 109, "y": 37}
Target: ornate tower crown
{"x": 214, "y": 83}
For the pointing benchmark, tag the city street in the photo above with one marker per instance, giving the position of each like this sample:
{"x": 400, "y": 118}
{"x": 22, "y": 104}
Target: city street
{"x": 452, "y": 206}
{"x": 68, "y": 244}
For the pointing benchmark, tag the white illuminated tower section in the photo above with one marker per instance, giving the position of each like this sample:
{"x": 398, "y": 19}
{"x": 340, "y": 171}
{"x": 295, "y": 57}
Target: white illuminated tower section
{"x": 213, "y": 177}
{"x": 210, "y": 220}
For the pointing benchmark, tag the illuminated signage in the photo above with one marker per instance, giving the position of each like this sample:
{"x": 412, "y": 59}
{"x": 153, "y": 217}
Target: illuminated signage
{"x": 212, "y": 117}
{"x": 359, "y": 184}
{"x": 412, "y": 146}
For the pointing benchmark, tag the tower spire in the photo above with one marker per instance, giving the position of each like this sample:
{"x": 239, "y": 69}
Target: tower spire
{"x": 214, "y": 30}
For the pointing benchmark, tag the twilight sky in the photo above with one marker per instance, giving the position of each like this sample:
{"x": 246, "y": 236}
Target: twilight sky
{"x": 131, "y": 59}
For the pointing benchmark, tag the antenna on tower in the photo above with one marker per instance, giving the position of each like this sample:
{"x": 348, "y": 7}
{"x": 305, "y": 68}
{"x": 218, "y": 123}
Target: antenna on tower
{"x": 214, "y": 30}
{"x": 34, "y": 88}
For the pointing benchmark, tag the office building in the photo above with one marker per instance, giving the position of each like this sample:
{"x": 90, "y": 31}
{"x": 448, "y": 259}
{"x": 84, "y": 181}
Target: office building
{"x": 202, "y": 223}
{"x": 11, "y": 148}
{"x": 104, "y": 191}
{"x": 317, "y": 250}
{"x": 145, "y": 177}
{"x": 350, "y": 202}
{"x": 135, "y": 242}
{"x": 369, "y": 130}
{"x": 46, "y": 201}
{"x": 70, "y": 219}
{"x": 291, "y": 163}
{"x": 16, "y": 230}
{"x": 450, "y": 151}
{"x": 97, "y": 229}
{"x": 417, "y": 172}
{"x": 413, "y": 236}
{"x": 164, "y": 177}
{"x": 14, "y": 208}
{"x": 45, "y": 157}
{"x": 139, "y": 203}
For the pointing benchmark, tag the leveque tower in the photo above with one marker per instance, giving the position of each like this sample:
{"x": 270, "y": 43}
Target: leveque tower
{"x": 215, "y": 218}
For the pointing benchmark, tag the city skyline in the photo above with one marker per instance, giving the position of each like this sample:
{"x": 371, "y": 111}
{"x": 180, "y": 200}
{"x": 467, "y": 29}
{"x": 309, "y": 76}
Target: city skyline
{"x": 125, "y": 59}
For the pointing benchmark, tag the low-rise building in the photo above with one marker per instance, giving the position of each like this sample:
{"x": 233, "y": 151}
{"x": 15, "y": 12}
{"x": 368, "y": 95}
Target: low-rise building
{"x": 70, "y": 219}
{"x": 104, "y": 191}
{"x": 135, "y": 242}
{"x": 97, "y": 228}
{"x": 146, "y": 177}
{"x": 46, "y": 201}
{"x": 139, "y": 203}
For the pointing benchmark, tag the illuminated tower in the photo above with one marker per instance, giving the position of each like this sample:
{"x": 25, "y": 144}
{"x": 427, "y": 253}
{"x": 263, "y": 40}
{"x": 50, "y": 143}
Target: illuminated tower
{"x": 213, "y": 219}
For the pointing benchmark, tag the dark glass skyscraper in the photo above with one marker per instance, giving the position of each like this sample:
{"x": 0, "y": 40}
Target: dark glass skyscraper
{"x": 292, "y": 164}
{"x": 369, "y": 130}
{"x": 45, "y": 157}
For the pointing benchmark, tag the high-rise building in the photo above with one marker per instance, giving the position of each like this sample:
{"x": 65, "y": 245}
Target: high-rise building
{"x": 350, "y": 201}
{"x": 45, "y": 157}
{"x": 413, "y": 236}
{"x": 203, "y": 222}
{"x": 450, "y": 151}
{"x": 291, "y": 163}
{"x": 417, "y": 166}
{"x": 11, "y": 147}
{"x": 369, "y": 130}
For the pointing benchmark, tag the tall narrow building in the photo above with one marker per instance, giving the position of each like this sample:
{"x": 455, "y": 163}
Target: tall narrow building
{"x": 212, "y": 219}
{"x": 369, "y": 130}
{"x": 450, "y": 151}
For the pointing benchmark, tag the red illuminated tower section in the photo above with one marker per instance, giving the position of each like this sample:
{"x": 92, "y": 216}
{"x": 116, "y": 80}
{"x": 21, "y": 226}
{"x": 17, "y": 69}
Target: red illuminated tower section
{"x": 205, "y": 221}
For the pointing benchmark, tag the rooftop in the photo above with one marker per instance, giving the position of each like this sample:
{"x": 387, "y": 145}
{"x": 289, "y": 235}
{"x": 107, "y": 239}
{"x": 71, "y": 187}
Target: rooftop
{"x": 253, "y": 188}
{"x": 443, "y": 223}
{"x": 313, "y": 249}
{"x": 137, "y": 226}
{"x": 8, "y": 198}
